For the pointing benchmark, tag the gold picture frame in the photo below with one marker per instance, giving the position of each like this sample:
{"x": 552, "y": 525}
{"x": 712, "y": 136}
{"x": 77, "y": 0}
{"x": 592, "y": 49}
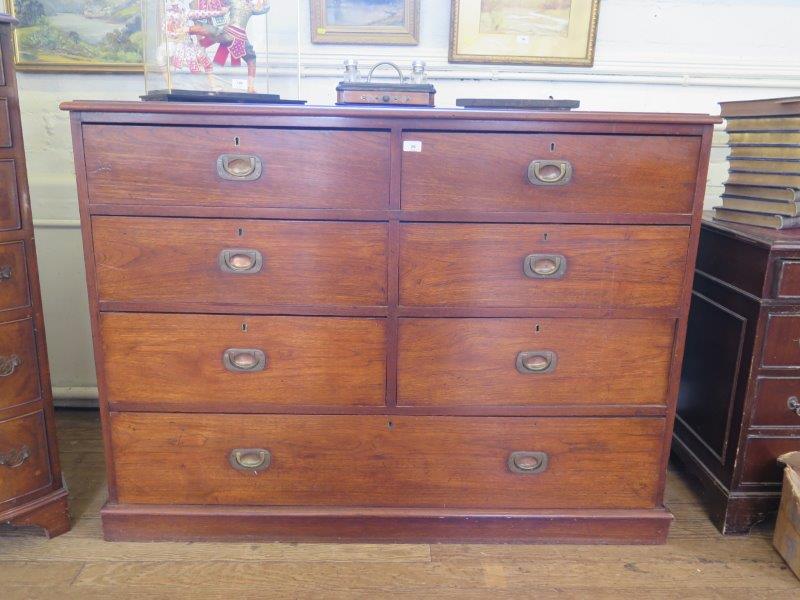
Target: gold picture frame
{"x": 37, "y": 32}
{"x": 546, "y": 32}
{"x": 401, "y": 28}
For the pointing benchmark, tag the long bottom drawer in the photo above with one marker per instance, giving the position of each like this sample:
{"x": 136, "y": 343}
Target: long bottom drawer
{"x": 387, "y": 461}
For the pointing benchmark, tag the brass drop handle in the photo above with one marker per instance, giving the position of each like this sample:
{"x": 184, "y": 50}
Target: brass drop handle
{"x": 240, "y": 260}
{"x": 536, "y": 361}
{"x": 244, "y": 360}
{"x": 545, "y": 266}
{"x": 15, "y": 458}
{"x": 527, "y": 463}
{"x": 9, "y": 364}
{"x": 239, "y": 167}
{"x": 5, "y": 273}
{"x": 794, "y": 405}
{"x": 549, "y": 172}
{"x": 250, "y": 459}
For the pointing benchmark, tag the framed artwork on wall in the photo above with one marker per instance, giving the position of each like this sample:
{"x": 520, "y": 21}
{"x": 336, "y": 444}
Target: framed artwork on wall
{"x": 365, "y": 22}
{"x": 527, "y": 32}
{"x": 77, "y": 35}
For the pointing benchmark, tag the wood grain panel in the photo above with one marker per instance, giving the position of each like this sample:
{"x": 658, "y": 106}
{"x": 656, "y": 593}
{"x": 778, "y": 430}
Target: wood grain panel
{"x": 5, "y": 125}
{"x": 151, "y": 358}
{"x": 760, "y": 458}
{"x": 23, "y": 449}
{"x": 473, "y": 361}
{"x": 303, "y": 168}
{"x": 9, "y": 200}
{"x": 782, "y": 341}
{"x": 19, "y": 361}
{"x": 611, "y": 173}
{"x": 304, "y": 262}
{"x": 14, "y": 290}
{"x": 482, "y": 265}
{"x": 771, "y": 404}
{"x": 338, "y": 460}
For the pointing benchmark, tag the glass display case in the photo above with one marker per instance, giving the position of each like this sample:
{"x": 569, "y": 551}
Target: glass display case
{"x": 222, "y": 46}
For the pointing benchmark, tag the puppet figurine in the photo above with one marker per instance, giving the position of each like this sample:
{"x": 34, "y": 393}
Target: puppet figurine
{"x": 184, "y": 51}
{"x": 232, "y": 36}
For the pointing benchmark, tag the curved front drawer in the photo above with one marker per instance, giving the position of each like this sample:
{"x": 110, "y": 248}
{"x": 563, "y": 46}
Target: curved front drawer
{"x": 14, "y": 291}
{"x": 194, "y": 261}
{"x": 19, "y": 367}
{"x": 386, "y": 461}
{"x": 24, "y": 463}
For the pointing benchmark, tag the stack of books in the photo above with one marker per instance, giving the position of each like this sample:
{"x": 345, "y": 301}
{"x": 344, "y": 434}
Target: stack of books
{"x": 763, "y": 186}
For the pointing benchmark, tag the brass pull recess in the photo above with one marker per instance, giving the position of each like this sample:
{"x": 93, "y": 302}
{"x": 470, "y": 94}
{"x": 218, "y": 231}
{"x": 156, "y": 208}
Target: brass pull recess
{"x": 794, "y": 405}
{"x": 244, "y": 360}
{"x": 549, "y": 172}
{"x": 9, "y": 364}
{"x": 249, "y": 459}
{"x": 15, "y": 458}
{"x": 5, "y": 273}
{"x": 240, "y": 260}
{"x": 527, "y": 463}
{"x": 239, "y": 167}
{"x": 545, "y": 266}
{"x": 536, "y": 361}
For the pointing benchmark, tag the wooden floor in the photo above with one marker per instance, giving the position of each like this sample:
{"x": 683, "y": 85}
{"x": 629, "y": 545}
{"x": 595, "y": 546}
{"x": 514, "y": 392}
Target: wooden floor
{"x": 697, "y": 562}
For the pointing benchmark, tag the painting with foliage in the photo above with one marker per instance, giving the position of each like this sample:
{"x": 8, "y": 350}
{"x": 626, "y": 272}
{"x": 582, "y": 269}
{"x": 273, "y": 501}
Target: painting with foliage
{"x": 365, "y": 21}
{"x": 78, "y": 35}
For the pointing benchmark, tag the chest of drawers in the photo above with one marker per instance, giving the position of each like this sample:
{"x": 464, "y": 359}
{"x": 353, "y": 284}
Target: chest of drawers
{"x": 325, "y": 323}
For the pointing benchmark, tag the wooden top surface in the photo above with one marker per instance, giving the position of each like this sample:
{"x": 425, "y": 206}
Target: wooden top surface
{"x": 202, "y": 108}
{"x": 761, "y": 236}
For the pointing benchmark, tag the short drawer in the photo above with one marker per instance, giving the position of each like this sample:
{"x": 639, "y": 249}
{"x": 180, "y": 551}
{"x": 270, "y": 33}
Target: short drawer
{"x": 228, "y": 362}
{"x": 760, "y": 464}
{"x": 14, "y": 291}
{"x": 19, "y": 367}
{"x": 9, "y": 200}
{"x": 240, "y": 262}
{"x": 386, "y": 461}
{"x": 24, "y": 462}
{"x": 225, "y": 166}
{"x": 787, "y": 279}
{"x": 782, "y": 341}
{"x": 533, "y": 361}
{"x": 578, "y": 266}
{"x": 777, "y": 402}
{"x": 550, "y": 172}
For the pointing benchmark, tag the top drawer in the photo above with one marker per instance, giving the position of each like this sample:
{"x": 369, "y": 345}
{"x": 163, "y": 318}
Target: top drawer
{"x": 550, "y": 172}
{"x": 223, "y": 166}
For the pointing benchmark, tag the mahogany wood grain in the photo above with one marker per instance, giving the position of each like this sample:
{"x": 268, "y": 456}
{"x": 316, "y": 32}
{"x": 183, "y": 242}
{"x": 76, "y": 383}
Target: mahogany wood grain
{"x": 151, "y": 358}
{"x": 23, "y": 446}
{"x": 758, "y": 459}
{"x": 307, "y": 168}
{"x": 176, "y": 261}
{"x": 782, "y": 341}
{"x": 9, "y": 201}
{"x": 18, "y": 344}
{"x": 771, "y": 406}
{"x": 6, "y": 140}
{"x": 14, "y": 290}
{"x": 488, "y": 171}
{"x": 787, "y": 279}
{"x": 434, "y": 462}
{"x": 472, "y": 361}
{"x": 482, "y": 265}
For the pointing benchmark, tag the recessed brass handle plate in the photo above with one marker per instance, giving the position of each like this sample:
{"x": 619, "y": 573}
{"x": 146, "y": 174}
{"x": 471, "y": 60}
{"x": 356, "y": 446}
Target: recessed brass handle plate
{"x": 549, "y": 172}
{"x": 242, "y": 261}
{"x": 5, "y": 273}
{"x": 9, "y": 364}
{"x": 536, "y": 361}
{"x": 250, "y": 459}
{"x": 15, "y": 458}
{"x": 527, "y": 463}
{"x": 794, "y": 405}
{"x": 244, "y": 360}
{"x": 239, "y": 167}
{"x": 545, "y": 266}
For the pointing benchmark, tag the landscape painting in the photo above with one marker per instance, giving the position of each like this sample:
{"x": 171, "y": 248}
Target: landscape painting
{"x": 78, "y": 35}
{"x": 365, "y": 21}
{"x": 526, "y": 17}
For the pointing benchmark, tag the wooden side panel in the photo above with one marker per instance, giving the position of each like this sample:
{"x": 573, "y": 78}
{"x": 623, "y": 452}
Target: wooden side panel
{"x": 483, "y": 265}
{"x": 14, "y": 288}
{"x": 24, "y": 462}
{"x": 19, "y": 369}
{"x": 154, "y": 358}
{"x": 473, "y": 361}
{"x": 397, "y": 461}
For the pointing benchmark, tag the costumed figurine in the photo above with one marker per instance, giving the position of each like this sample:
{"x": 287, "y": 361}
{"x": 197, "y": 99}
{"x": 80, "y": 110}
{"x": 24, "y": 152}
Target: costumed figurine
{"x": 232, "y": 35}
{"x": 183, "y": 50}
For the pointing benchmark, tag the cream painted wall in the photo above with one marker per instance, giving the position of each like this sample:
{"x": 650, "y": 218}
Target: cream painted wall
{"x": 652, "y": 55}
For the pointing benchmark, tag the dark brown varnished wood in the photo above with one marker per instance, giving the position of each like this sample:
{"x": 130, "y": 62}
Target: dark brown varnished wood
{"x": 773, "y": 402}
{"x": 9, "y": 200}
{"x": 24, "y": 462}
{"x": 19, "y": 369}
{"x": 14, "y": 289}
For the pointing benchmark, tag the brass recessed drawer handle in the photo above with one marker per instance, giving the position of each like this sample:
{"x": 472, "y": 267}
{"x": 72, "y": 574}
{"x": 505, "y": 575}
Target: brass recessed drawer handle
{"x": 5, "y": 273}
{"x": 240, "y": 260}
{"x": 244, "y": 360}
{"x": 527, "y": 463}
{"x": 249, "y": 459}
{"x": 550, "y": 172}
{"x": 15, "y": 458}
{"x": 794, "y": 405}
{"x": 9, "y": 364}
{"x": 545, "y": 266}
{"x": 536, "y": 361}
{"x": 239, "y": 167}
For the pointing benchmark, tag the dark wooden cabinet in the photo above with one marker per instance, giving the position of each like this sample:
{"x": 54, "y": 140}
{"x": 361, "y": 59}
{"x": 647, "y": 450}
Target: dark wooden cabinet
{"x": 307, "y": 328}
{"x": 739, "y": 401}
{"x": 31, "y": 489}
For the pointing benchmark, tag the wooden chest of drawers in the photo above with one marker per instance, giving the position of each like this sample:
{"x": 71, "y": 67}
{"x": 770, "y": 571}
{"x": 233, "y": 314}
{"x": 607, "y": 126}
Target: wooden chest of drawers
{"x": 387, "y": 324}
{"x": 738, "y": 408}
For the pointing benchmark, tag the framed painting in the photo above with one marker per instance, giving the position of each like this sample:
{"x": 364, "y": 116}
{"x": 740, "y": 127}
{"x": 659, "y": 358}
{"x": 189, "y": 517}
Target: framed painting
{"x": 365, "y": 22}
{"x": 527, "y": 32}
{"x": 77, "y": 35}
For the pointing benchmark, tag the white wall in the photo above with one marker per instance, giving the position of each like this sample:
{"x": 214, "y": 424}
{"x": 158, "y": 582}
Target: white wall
{"x": 652, "y": 55}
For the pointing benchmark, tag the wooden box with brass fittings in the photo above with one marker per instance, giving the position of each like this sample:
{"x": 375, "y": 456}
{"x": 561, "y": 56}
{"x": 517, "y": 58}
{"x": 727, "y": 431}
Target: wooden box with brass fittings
{"x": 387, "y": 324}
{"x": 31, "y": 488}
{"x": 739, "y": 406}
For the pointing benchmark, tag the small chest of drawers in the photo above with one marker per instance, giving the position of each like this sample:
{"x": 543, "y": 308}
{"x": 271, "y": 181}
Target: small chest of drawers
{"x": 387, "y": 324}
